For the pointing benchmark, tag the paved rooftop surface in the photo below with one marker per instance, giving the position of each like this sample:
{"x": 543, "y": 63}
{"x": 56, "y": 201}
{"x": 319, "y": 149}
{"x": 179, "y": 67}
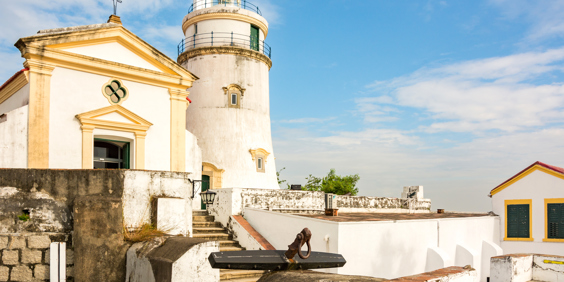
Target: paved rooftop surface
{"x": 352, "y": 217}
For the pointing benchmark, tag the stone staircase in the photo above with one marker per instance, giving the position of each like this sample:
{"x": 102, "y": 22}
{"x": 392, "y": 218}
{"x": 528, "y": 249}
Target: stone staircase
{"x": 203, "y": 226}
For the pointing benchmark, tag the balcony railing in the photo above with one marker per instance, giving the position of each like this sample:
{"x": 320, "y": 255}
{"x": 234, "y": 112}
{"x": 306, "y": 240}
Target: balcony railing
{"x": 224, "y": 39}
{"x": 244, "y": 4}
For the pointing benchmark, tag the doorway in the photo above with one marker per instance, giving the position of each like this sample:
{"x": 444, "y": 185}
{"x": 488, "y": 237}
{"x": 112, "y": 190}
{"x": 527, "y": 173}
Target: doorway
{"x": 111, "y": 154}
{"x": 254, "y": 38}
{"x": 205, "y": 187}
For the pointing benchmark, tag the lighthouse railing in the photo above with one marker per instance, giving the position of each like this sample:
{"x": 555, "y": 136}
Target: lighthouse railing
{"x": 217, "y": 39}
{"x": 243, "y": 4}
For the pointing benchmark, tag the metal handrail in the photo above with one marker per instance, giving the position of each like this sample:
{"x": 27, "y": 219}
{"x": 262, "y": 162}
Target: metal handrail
{"x": 224, "y": 39}
{"x": 244, "y": 4}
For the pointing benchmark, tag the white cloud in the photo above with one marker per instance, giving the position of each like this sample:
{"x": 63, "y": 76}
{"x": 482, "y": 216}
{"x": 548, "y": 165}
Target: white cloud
{"x": 307, "y": 120}
{"x": 478, "y": 95}
{"x": 544, "y": 16}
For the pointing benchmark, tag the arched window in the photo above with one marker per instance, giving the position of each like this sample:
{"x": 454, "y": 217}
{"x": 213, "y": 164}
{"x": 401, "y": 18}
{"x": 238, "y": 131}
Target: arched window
{"x": 234, "y": 94}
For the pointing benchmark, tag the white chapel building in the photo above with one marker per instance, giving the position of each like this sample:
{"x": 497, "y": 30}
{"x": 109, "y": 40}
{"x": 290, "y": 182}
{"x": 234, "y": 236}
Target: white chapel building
{"x": 98, "y": 96}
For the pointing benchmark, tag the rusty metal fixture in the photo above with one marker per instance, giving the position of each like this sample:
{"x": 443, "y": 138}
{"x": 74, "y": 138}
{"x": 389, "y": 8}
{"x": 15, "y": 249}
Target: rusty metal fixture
{"x": 296, "y": 247}
{"x": 440, "y": 211}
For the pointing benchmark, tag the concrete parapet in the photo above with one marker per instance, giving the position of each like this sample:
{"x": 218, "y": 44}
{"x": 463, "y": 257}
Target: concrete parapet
{"x": 177, "y": 259}
{"x": 526, "y": 267}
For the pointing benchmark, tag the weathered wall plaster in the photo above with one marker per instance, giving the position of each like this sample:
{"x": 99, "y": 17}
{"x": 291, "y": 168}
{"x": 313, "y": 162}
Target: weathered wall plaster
{"x": 232, "y": 201}
{"x": 13, "y": 138}
{"x": 175, "y": 260}
{"x": 527, "y": 267}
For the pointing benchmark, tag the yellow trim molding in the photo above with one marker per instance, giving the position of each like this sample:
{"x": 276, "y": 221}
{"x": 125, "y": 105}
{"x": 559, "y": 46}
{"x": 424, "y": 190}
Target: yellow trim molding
{"x": 221, "y": 15}
{"x": 234, "y": 88}
{"x": 520, "y": 202}
{"x": 87, "y": 64}
{"x": 525, "y": 173}
{"x": 96, "y": 36}
{"x": 14, "y": 86}
{"x": 178, "y": 106}
{"x": 225, "y": 50}
{"x": 38, "y": 117}
{"x": 90, "y": 121}
{"x": 546, "y": 202}
{"x": 215, "y": 174}
{"x": 258, "y": 152}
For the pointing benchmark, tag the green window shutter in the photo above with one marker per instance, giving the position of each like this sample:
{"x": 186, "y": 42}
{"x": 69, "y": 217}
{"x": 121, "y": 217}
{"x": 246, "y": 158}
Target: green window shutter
{"x": 254, "y": 38}
{"x": 555, "y": 218}
{"x": 518, "y": 221}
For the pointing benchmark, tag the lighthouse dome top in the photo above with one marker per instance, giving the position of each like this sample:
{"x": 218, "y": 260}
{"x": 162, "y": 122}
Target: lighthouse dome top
{"x": 242, "y": 4}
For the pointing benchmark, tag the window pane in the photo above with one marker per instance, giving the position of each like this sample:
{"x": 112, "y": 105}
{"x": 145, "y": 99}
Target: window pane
{"x": 259, "y": 163}
{"x": 233, "y": 99}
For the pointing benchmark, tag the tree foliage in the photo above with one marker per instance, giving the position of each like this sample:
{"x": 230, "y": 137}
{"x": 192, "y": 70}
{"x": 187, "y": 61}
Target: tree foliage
{"x": 333, "y": 183}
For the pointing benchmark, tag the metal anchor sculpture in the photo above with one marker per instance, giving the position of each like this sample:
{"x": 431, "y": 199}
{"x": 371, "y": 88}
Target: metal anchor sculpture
{"x": 278, "y": 259}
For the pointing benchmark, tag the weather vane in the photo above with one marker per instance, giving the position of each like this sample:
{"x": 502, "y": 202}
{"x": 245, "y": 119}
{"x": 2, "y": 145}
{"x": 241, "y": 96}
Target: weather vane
{"x": 115, "y": 5}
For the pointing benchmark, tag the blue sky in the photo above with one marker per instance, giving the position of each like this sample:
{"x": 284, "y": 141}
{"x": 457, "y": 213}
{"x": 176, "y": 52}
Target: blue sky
{"x": 456, "y": 96}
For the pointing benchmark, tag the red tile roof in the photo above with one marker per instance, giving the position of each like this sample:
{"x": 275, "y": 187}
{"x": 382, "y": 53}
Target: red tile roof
{"x": 12, "y": 78}
{"x": 551, "y": 167}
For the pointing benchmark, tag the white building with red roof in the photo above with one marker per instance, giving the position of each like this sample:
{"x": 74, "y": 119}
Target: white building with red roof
{"x": 530, "y": 206}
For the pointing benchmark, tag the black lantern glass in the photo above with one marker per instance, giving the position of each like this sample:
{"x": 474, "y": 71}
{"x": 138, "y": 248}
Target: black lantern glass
{"x": 208, "y": 197}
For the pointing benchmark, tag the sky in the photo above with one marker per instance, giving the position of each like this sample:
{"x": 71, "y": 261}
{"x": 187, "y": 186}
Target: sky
{"x": 456, "y": 96}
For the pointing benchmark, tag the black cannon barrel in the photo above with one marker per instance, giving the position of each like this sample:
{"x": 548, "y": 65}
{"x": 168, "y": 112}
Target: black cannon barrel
{"x": 273, "y": 260}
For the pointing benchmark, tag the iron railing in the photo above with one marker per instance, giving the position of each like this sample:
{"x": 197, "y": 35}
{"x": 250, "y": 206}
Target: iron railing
{"x": 224, "y": 39}
{"x": 244, "y": 4}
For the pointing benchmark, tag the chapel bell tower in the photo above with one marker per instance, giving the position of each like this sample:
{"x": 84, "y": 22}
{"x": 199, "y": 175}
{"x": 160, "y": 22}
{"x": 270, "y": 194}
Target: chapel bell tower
{"x": 230, "y": 112}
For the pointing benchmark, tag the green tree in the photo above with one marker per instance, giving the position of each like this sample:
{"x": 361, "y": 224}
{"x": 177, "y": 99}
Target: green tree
{"x": 333, "y": 183}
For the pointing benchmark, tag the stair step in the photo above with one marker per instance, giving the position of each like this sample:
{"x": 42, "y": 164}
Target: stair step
{"x": 229, "y": 243}
{"x": 212, "y": 236}
{"x": 199, "y": 213}
{"x": 206, "y": 224}
{"x": 230, "y": 249}
{"x": 208, "y": 230}
{"x": 247, "y": 279}
{"x": 225, "y": 274}
{"x": 203, "y": 218}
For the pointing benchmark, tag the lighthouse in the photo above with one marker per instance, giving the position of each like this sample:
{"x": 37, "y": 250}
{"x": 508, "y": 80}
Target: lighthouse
{"x": 225, "y": 47}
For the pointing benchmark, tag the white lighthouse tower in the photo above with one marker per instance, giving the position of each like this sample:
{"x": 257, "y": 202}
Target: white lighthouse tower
{"x": 230, "y": 111}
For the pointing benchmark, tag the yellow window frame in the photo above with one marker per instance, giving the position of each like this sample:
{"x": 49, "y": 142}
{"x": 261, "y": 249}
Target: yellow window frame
{"x": 546, "y": 202}
{"x": 520, "y": 202}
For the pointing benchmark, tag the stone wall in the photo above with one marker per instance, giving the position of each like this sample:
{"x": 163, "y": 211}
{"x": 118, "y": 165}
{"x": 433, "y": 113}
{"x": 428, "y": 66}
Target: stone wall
{"x": 94, "y": 204}
{"x": 25, "y": 257}
{"x": 232, "y": 201}
{"x": 380, "y": 204}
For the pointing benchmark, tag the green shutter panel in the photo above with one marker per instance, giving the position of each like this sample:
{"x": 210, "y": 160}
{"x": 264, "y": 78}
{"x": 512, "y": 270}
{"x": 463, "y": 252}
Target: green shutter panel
{"x": 254, "y": 38}
{"x": 555, "y": 218}
{"x": 518, "y": 221}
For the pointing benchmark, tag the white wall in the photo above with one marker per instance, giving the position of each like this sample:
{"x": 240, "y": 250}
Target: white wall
{"x": 114, "y": 52}
{"x": 386, "y": 249}
{"x": 194, "y": 165}
{"x": 280, "y": 230}
{"x": 140, "y": 186}
{"x": 13, "y": 139}
{"x": 17, "y": 100}
{"x": 74, "y": 92}
{"x": 536, "y": 186}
